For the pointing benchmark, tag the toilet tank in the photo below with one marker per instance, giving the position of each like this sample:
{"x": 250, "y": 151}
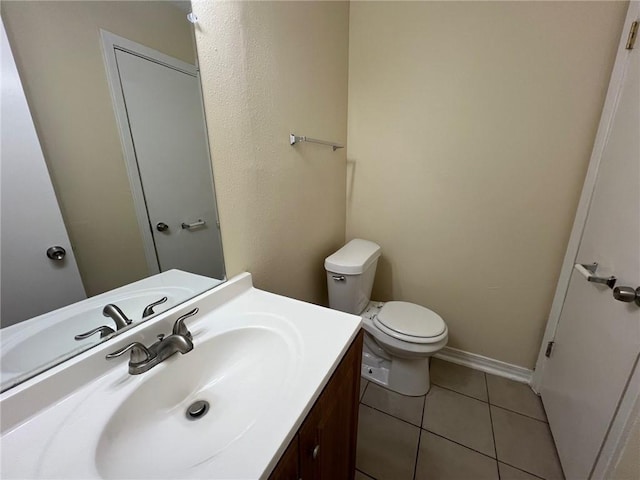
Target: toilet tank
{"x": 350, "y": 274}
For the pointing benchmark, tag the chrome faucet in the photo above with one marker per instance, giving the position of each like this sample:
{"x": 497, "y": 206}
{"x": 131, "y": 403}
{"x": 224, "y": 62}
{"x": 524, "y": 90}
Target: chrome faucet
{"x": 112, "y": 311}
{"x": 144, "y": 359}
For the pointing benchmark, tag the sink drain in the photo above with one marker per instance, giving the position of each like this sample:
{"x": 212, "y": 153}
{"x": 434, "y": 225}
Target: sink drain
{"x": 197, "y": 410}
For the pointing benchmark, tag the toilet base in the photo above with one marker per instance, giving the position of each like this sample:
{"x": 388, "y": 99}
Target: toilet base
{"x": 379, "y": 375}
{"x": 402, "y": 375}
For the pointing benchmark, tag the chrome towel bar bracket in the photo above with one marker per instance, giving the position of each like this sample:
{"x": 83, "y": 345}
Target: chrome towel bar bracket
{"x": 293, "y": 139}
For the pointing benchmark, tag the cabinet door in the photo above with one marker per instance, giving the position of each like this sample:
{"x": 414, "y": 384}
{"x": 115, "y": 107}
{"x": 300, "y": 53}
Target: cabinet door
{"x": 328, "y": 435}
{"x": 287, "y": 468}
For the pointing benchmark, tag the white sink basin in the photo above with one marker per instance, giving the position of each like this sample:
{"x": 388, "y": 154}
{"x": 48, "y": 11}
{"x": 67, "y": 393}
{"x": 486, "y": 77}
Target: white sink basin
{"x": 229, "y": 371}
{"x": 260, "y": 360}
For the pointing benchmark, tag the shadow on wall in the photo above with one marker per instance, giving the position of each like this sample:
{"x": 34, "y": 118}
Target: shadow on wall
{"x": 383, "y": 283}
{"x": 351, "y": 175}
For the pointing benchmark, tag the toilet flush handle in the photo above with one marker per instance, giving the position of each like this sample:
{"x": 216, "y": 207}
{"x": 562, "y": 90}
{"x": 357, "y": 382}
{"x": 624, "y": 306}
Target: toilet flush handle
{"x": 339, "y": 278}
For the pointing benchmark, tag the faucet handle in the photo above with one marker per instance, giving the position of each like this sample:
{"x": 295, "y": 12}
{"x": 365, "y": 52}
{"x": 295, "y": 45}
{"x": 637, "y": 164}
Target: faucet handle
{"x": 179, "y": 328}
{"x": 139, "y": 353}
{"x": 103, "y": 329}
{"x": 148, "y": 310}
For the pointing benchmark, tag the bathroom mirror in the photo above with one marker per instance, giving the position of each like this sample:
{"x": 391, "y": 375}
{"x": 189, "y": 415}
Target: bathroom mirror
{"x": 107, "y": 189}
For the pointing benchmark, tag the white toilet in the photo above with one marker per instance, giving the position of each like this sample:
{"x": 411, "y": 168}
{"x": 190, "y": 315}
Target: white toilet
{"x": 399, "y": 336}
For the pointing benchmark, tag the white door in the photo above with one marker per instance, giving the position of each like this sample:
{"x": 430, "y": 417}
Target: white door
{"x": 166, "y": 119}
{"x": 31, "y": 222}
{"x": 597, "y": 340}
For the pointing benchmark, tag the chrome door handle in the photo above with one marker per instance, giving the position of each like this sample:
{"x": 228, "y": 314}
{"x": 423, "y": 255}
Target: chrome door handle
{"x": 162, "y": 227}
{"x": 627, "y": 294}
{"x": 588, "y": 271}
{"x": 56, "y": 253}
{"x": 189, "y": 226}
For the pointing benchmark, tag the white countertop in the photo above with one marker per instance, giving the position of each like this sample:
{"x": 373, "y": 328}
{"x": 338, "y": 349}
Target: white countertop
{"x": 53, "y": 424}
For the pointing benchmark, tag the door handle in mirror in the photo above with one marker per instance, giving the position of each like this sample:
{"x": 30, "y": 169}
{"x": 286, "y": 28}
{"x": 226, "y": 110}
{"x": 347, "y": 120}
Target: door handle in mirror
{"x": 56, "y": 253}
{"x": 189, "y": 226}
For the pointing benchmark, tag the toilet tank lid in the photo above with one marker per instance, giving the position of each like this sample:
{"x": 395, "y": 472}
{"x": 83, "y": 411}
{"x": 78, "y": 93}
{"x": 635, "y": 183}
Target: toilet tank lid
{"x": 354, "y": 258}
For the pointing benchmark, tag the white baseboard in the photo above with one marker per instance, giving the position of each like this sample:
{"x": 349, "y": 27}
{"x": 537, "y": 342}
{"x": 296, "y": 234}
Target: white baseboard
{"x": 486, "y": 364}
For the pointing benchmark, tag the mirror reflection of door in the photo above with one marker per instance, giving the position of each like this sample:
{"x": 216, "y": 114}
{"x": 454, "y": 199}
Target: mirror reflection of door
{"x": 34, "y": 280}
{"x": 170, "y": 166}
{"x": 59, "y": 56}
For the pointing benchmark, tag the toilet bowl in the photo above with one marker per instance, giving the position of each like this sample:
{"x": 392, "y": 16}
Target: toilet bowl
{"x": 400, "y": 337}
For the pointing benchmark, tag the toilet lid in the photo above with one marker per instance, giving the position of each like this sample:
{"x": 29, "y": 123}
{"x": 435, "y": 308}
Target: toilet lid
{"x": 402, "y": 319}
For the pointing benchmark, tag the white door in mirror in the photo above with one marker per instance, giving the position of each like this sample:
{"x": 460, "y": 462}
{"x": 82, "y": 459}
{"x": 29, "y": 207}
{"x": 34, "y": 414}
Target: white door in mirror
{"x": 166, "y": 119}
{"x": 39, "y": 270}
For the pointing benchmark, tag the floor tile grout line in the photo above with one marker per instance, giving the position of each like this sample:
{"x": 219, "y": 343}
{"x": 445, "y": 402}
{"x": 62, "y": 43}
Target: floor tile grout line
{"x": 403, "y": 421}
{"x": 365, "y": 473}
{"x": 424, "y": 406}
{"x": 447, "y": 439}
{"x": 421, "y": 427}
{"x": 489, "y": 402}
{"x": 415, "y": 465}
{"x": 427, "y": 430}
{"x": 433, "y": 433}
{"x": 518, "y": 413}
{"x": 522, "y": 470}
{"x": 390, "y": 415}
{"x": 498, "y": 461}
{"x": 460, "y": 393}
{"x": 415, "y": 461}
{"x": 364, "y": 392}
{"x": 458, "y": 443}
{"x": 493, "y": 433}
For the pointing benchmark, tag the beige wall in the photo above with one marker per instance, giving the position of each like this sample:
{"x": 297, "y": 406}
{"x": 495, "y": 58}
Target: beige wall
{"x": 268, "y": 69}
{"x": 470, "y": 129}
{"x": 58, "y": 52}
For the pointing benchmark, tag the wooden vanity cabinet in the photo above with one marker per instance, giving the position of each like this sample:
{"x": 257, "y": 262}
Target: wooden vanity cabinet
{"x": 288, "y": 466}
{"x": 325, "y": 446}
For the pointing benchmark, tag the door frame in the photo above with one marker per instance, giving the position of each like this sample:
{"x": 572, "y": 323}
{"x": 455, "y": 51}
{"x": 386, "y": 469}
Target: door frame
{"x": 111, "y": 43}
{"x": 632, "y": 390}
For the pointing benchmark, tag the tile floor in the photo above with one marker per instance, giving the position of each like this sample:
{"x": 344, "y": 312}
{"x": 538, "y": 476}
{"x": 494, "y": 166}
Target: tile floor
{"x": 470, "y": 425}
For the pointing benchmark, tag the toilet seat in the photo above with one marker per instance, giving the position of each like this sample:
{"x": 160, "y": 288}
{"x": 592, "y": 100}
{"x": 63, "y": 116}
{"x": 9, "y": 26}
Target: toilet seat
{"x": 410, "y": 322}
